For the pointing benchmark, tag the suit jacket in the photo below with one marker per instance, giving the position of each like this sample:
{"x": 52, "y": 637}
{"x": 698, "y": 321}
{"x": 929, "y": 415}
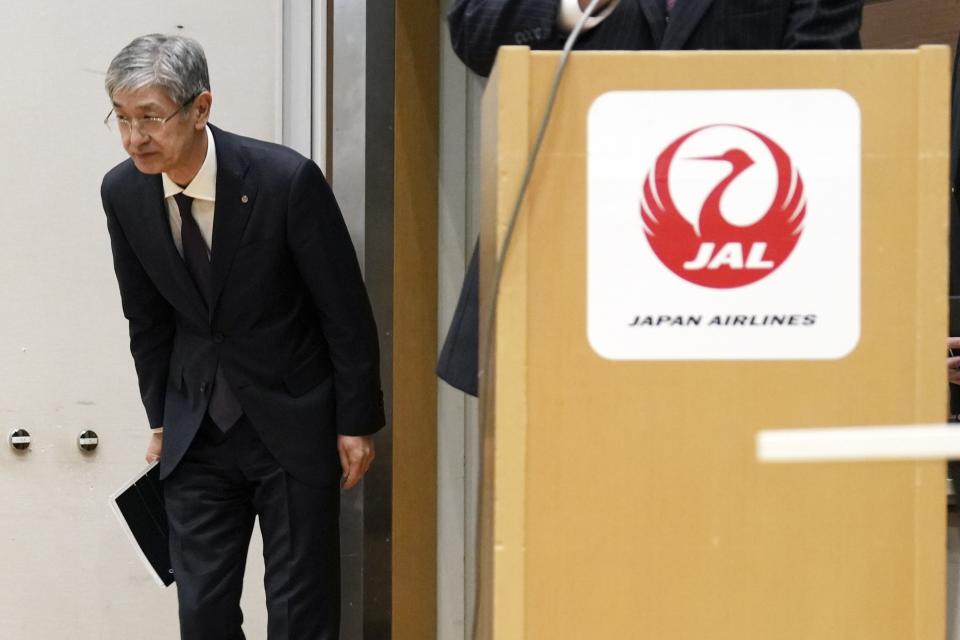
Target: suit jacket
{"x": 290, "y": 322}
{"x": 479, "y": 27}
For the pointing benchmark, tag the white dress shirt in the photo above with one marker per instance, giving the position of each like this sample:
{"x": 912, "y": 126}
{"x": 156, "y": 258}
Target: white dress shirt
{"x": 203, "y": 190}
{"x": 570, "y": 14}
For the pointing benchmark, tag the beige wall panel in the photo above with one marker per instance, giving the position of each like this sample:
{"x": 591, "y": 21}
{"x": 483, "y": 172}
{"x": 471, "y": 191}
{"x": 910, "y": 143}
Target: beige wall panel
{"x": 904, "y": 24}
{"x": 415, "y": 322}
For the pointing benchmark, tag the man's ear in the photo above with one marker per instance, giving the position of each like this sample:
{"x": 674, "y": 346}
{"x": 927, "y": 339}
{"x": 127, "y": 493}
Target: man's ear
{"x": 201, "y": 108}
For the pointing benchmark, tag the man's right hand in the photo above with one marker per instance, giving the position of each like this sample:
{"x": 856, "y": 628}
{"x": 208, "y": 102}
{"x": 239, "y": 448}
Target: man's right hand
{"x": 600, "y": 5}
{"x": 154, "y": 447}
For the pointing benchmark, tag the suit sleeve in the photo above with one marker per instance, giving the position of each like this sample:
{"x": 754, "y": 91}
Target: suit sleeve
{"x": 149, "y": 315}
{"x": 479, "y": 27}
{"x": 824, "y": 24}
{"x": 325, "y": 258}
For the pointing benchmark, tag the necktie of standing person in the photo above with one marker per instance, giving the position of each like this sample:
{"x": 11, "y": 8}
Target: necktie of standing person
{"x": 223, "y": 407}
{"x": 670, "y": 4}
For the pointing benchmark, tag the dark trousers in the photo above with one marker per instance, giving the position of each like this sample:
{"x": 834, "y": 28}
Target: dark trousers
{"x": 222, "y": 483}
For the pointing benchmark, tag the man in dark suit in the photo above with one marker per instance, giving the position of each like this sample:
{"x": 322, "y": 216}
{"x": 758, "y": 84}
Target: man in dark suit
{"x": 953, "y": 342}
{"x": 479, "y": 27}
{"x": 253, "y": 339}
{"x": 955, "y": 176}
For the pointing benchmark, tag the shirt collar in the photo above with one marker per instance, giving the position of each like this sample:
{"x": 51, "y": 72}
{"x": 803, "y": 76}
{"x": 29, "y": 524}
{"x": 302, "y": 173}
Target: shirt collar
{"x": 204, "y": 184}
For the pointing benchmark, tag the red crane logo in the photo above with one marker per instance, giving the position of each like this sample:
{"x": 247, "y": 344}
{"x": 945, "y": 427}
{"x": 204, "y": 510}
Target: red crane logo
{"x": 717, "y": 253}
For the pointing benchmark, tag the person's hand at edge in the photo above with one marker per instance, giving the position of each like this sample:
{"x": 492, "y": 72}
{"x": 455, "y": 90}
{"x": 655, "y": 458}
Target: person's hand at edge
{"x": 154, "y": 447}
{"x": 953, "y": 362}
{"x": 356, "y": 456}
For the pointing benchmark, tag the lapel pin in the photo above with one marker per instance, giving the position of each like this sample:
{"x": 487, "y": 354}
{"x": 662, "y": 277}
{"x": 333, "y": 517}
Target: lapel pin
{"x": 244, "y": 199}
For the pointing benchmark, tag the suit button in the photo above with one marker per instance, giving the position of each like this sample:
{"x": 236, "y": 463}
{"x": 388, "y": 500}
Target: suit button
{"x": 203, "y": 387}
{"x": 218, "y": 337}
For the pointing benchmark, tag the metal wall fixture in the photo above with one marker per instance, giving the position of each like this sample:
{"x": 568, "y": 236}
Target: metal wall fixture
{"x": 20, "y": 439}
{"x": 88, "y": 441}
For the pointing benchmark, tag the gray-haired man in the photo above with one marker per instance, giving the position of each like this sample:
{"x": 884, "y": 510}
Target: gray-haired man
{"x": 253, "y": 340}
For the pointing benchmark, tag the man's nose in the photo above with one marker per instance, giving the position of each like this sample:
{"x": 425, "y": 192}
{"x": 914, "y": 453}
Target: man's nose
{"x": 137, "y": 137}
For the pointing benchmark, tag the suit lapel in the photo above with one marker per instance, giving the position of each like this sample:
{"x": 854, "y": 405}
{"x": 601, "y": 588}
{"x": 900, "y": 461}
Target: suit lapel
{"x": 656, "y": 15}
{"x": 236, "y": 192}
{"x": 684, "y": 19}
{"x": 156, "y": 225}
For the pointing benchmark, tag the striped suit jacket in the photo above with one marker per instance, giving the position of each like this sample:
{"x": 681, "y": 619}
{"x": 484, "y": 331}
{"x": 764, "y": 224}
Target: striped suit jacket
{"x": 479, "y": 27}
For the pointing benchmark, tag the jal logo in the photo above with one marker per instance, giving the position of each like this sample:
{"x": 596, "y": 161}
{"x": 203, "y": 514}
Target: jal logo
{"x": 723, "y": 206}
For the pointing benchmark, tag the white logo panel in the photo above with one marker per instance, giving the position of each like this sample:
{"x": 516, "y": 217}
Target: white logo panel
{"x": 724, "y": 225}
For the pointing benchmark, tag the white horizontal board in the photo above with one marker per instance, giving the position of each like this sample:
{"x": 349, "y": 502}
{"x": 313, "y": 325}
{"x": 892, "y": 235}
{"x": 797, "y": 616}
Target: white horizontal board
{"x": 859, "y": 443}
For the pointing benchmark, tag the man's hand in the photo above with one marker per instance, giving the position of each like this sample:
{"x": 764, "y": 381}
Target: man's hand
{"x": 953, "y": 362}
{"x": 154, "y": 447}
{"x": 356, "y": 456}
{"x": 600, "y": 5}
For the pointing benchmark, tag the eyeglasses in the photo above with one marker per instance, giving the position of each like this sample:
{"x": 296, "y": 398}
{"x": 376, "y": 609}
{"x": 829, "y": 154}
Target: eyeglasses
{"x": 147, "y": 126}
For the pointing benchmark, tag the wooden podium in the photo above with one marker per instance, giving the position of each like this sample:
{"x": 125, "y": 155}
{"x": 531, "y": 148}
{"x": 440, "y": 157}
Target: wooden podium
{"x": 622, "y": 497}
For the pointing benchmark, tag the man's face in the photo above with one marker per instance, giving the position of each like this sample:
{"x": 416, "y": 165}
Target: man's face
{"x": 167, "y": 148}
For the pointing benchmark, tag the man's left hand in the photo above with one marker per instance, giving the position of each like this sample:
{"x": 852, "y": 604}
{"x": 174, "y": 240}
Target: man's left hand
{"x": 356, "y": 456}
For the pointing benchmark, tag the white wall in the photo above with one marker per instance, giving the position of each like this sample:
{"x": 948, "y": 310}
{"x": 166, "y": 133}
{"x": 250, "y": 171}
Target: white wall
{"x": 64, "y": 359}
{"x": 458, "y": 437}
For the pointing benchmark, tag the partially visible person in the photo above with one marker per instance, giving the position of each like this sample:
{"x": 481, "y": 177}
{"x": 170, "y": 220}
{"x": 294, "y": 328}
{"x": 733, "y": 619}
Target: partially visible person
{"x": 955, "y": 177}
{"x": 953, "y": 343}
{"x": 479, "y": 27}
{"x": 953, "y": 367}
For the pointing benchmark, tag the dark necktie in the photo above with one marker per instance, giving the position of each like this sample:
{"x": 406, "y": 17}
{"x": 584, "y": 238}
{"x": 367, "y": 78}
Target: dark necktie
{"x": 194, "y": 248}
{"x": 223, "y": 407}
